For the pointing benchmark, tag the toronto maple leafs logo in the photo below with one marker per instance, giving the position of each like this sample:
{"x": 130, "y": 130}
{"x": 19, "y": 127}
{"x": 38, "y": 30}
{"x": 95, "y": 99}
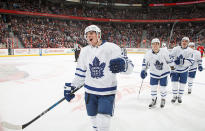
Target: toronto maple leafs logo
{"x": 158, "y": 65}
{"x": 97, "y": 68}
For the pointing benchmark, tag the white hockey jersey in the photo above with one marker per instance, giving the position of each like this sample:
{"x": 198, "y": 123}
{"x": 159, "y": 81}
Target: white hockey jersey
{"x": 187, "y": 54}
{"x": 93, "y": 69}
{"x": 158, "y": 63}
{"x": 124, "y": 51}
{"x": 197, "y": 61}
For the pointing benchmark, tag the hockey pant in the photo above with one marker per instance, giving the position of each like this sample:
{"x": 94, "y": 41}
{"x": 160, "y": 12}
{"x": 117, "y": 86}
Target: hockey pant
{"x": 179, "y": 81}
{"x": 154, "y": 84}
{"x": 191, "y": 77}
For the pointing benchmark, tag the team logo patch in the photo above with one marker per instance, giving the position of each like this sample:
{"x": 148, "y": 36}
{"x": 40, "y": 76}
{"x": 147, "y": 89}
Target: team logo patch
{"x": 158, "y": 65}
{"x": 97, "y": 68}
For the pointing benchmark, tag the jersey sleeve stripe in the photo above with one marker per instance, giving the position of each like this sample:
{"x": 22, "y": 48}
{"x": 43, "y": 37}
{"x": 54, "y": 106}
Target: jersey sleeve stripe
{"x": 79, "y": 75}
{"x": 80, "y": 69}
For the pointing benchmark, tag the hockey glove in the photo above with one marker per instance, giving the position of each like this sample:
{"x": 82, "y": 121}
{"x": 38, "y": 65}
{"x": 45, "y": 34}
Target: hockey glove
{"x": 143, "y": 74}
{"x": 200, "y": 68}
{"x": 67, "y": 91}
{"x": 117, "y": 65}
{"x": 179, "y": 61}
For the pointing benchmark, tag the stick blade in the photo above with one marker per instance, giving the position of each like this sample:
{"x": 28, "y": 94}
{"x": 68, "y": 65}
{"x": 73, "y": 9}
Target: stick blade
{"x": 11, "y": 126}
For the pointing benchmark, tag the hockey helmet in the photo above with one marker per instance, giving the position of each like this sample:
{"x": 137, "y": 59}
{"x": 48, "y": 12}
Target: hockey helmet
{"x": 92, "y": 28}
{"x": 155, "y": 40}
{"x": 191, "y": 44}
{"x": 186, "y": 38}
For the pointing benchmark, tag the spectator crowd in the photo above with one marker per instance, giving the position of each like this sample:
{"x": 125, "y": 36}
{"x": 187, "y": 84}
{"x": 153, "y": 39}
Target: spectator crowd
{"x": 44, "y": 32}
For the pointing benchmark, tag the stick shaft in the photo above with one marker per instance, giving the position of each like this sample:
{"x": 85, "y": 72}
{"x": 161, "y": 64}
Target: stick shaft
{"x": 44, "y": 112}
{"x": 141, "y": 86}
{"x": 20, "y": 127}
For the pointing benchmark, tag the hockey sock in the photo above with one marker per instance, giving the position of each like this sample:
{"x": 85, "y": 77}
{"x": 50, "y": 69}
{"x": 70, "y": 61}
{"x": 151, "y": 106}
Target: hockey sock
{"x": 181, "y": 89}
{"x": 154, "y": 91}
{"x": 163, "y": 91}
{"x": 190, "y": 82}
{"x": 103, "y": 122}
{"x": 175, "y": 88}
{"x": 94, "y": 122}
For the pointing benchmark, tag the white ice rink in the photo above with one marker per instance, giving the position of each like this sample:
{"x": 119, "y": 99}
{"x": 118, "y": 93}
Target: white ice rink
{"x": 31, "y": 84}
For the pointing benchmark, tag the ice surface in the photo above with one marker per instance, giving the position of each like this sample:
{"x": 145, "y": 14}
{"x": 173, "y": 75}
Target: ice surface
{"x": 29, "y": 85}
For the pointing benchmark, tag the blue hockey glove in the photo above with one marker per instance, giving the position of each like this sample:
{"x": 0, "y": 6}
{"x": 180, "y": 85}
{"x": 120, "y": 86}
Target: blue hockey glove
{"x": 67, "y": 91}
{"x": 200, "y": 68}
{"x": 179, "y": 61}
{"x": 143, "y": 74}
{"x": 117, "y": 65}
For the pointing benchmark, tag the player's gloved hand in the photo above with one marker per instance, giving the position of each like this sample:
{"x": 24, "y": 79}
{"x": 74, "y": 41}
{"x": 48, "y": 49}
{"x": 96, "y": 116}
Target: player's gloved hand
{"x": 200, "y": 68}
{"x": 143, "y": 74}
{"x": 67, "y": 91}
{"x": 179, "y": 61}
{"x": 117, "y": 65}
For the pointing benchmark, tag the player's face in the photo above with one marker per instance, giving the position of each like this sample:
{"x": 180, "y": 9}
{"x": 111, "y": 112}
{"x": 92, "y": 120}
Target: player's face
{"x": 155, "y": 47}
{"x": 92, "y": 38}
{"x": 192, "y": 47}
{"x": 184, "y": 43}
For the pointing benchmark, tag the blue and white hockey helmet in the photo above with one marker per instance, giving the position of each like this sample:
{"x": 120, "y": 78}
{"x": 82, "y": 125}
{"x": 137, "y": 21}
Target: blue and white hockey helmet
{"x": 186, "y": 38}
{"x": 191, "y": 44}
{"x": 92, "y": 28}
{"x": 155, "y": 40}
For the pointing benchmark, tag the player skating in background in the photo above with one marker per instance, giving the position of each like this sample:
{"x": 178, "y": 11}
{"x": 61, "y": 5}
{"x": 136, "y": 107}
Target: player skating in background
{"x": 183, "y": 58}
{"x": 164, "y": 45}
{"x": 159, "y": 64}
{"x": 97, "y": 66}
{"x": 193, "y": 68}
{"x": 123, "y": 50}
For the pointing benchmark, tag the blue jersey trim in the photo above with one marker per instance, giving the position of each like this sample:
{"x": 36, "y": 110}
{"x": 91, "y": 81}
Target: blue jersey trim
{"x": 160, "y": 75}
{"x": 79, "y": 75}
{"x": 183, "y": 70}
{"x": 80, "y": 69}
{"x": 100, "y": 89}
{"x": 103, "y": 42}
{"x": 190, "y": 60}
{"x": 193, "y": 69}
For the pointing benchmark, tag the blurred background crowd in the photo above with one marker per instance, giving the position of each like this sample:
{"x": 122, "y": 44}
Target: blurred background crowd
{"x": 25, "y": 31}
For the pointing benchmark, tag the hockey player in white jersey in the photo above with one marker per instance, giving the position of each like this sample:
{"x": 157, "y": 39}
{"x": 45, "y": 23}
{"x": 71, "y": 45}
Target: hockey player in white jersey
{"x": 164, "y": 45}
{"x": 97, "y": 66}
{"x": 159, "y": 64}
{"x": 193, "y": 68}
{"x": 183, "y": 58}
{"x": 123, "y": 50}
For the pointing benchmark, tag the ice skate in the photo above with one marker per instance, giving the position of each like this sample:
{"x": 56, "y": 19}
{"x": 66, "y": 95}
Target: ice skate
{"x": 179, "y": 100}
{"x": 153, "y": 103}
{"x": 189, "y": 91}
{"x": 162, "y": 103}
{"x": 174, "y": 99}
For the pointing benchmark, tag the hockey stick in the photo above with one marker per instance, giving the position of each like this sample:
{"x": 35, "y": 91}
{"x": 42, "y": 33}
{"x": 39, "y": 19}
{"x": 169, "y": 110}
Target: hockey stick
{"x": 140, "y": 87}
{"x": 21, "y": 127}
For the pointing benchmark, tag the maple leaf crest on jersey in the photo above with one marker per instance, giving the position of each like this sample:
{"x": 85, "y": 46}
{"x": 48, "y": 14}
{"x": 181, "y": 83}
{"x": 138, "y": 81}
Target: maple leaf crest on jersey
{"x": 97, "y": 68}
